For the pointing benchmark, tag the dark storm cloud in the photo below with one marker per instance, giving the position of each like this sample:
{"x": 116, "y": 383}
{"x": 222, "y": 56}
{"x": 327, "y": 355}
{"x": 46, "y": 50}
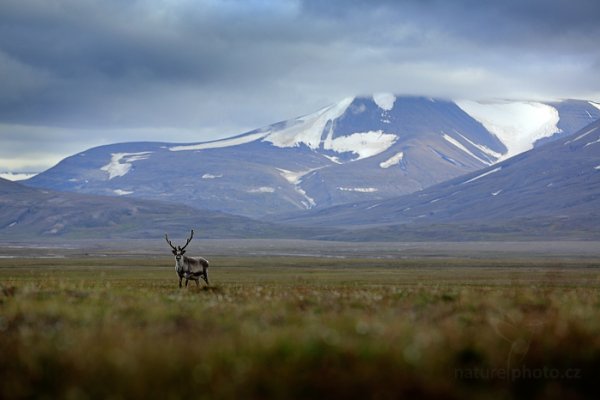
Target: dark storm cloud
{"x": 512, "y": 22}
{"x": 218, "y": 67}
{"x": 86, "y": 57}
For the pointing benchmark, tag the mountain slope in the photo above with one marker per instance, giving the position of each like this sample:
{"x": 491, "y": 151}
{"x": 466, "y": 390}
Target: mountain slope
{"x": 363, "y": 148}
{"x": 551, "y": 190}
{"x": 27, "y": 213}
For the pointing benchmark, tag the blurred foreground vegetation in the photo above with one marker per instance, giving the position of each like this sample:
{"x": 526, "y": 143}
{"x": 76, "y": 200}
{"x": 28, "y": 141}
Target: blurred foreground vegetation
{"x": 300, "y": 328}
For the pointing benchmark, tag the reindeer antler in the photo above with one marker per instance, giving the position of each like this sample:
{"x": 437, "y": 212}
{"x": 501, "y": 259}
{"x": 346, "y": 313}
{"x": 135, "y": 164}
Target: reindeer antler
{"x": 168, "y": 241}
{"x": 189, "y": 240}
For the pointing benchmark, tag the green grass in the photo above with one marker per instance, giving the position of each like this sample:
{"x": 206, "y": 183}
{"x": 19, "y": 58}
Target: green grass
{"x": 290, "y": 327}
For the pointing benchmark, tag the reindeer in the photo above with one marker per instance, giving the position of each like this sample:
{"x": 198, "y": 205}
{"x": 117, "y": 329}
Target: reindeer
{"x": 188, "y": 267}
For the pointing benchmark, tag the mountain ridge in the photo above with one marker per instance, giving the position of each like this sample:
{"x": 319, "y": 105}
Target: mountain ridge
{"x": 34, "y": 214}
{"x": 551, "y": 191}
{"x": 362, "y": 148}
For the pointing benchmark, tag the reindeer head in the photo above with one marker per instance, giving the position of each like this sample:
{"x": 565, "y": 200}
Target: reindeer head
{"x": 179, "y": 251}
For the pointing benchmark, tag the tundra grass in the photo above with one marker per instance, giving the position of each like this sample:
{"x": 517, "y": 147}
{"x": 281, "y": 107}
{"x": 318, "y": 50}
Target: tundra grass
{"x": 300, "y": 328}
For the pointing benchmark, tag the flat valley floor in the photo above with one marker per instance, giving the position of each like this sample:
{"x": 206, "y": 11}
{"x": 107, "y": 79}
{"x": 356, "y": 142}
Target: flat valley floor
{"x": 293, "y": 326}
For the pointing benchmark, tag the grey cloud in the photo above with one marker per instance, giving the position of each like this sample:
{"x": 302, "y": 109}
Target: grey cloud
{"x": 220, "y": 67}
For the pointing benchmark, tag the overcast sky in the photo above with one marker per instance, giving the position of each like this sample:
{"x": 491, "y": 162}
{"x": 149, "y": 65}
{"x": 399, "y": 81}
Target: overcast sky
{"x": 80, "y": 73}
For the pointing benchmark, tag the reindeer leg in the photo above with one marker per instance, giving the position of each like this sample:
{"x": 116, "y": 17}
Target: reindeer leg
{"x": 180, "y": 282}
{"x": 186, "y": 281}
{"x": 205, "y": 277}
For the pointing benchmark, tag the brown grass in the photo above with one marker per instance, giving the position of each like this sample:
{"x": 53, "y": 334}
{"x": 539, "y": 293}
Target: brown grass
{"x": 300, "y": 328}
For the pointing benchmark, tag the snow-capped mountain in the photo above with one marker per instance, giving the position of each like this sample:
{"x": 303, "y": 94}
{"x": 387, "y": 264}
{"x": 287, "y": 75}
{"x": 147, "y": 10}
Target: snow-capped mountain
{"x": 552, "y": 191}
{"x": 362, "y": 148}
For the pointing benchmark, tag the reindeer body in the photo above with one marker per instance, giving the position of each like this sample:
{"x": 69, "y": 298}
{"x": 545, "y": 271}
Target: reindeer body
{"x": 189, "y": 268}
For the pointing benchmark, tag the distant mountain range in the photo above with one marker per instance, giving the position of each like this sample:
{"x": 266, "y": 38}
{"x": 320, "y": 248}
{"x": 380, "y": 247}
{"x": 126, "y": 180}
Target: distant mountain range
{"x": 368, "y": 168}
{"x": 549, "y": 192}
{"x": 362, "y": 148}
{"x": 37, "y": 214}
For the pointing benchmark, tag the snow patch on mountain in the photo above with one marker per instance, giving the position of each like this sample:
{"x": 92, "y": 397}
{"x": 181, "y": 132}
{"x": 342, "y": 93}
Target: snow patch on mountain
{"x": 393, "y": 160}
{"x": 456, "y": 143}
{"x": 517, "y": 124}
{"x": 481, "y": 147}
{"x": 295, "y": 179}
{"x": 310, "y": 202}
{"x": 235, "y": 141}
{"x": 308, "y": 130}
{"x": 364, "y": 144}
{"x": 120, "y": 192}
{"x": 211, "y": 176}
{"x": 120, "y": 163}
{"x": 581, "y": 136}
{"x": 385, "y": 101}
{"x": 333, "y": 159}
{"x": 359, "y": 189}
{"x": 591, "y": 143}
{"x": 594, "y": 104}
{"x": 262, "y": 189}
{"x": 482, "y": 175}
